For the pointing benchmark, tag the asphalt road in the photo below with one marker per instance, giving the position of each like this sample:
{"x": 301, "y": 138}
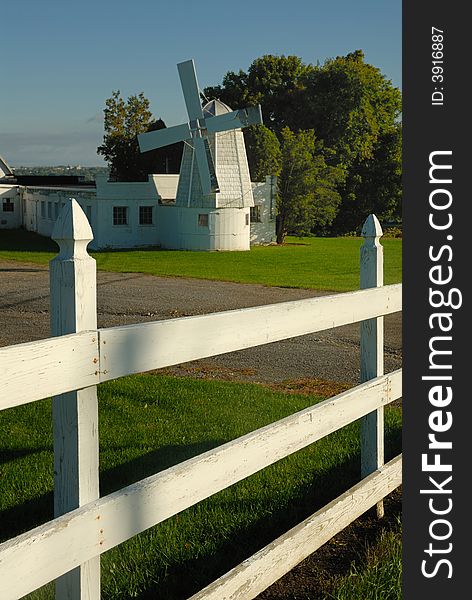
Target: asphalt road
{"x": 125, "y": 298}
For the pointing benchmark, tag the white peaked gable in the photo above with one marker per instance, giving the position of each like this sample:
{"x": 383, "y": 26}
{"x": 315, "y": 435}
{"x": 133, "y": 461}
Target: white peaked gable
{"x": 232, "y": 169}
{"x": 4, "y": 168}
{"x": 166, "y": 187}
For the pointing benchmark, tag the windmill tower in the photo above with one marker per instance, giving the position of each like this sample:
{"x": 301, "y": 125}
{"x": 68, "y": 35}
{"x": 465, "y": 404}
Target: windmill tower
{"x": 214, "y": 192}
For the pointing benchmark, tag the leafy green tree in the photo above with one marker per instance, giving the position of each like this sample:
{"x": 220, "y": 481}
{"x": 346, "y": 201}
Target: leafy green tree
{"x": 374, "y": 185}
{"x": 351, "y": 106}
{"x": 355, "y": 110}
{"x": 274, "y": 82}
{"x": 349, "y": 103}
{"x": 263, "y": 152}
{"x": 123, "y": 122}
{"x": 307, "y": 196}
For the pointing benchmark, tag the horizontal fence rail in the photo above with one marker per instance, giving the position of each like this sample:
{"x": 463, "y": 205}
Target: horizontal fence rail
{"x": 69, "y": 367}
{"x": 262, "y": 569}
{"x": 60, "y": 545}
{"x": 44, "y": 368}
{"x": 145, "y": 346}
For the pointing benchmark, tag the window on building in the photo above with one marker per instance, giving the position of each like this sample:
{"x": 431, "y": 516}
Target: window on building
{"x": 43, "y": 209}
{"x": 120, "y": 215}
{"x": 8, "y": 205}
{"x": 203, "y": 220}
{"x": 145, "y": 215}
{"x": 255, "y": 214}
{"x": 49, "y": 210}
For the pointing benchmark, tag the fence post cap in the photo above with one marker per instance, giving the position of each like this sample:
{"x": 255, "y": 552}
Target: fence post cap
{"x": 72, "y": 231}
{"x": 72, "y": 224}
{"x": 372, "y": 228}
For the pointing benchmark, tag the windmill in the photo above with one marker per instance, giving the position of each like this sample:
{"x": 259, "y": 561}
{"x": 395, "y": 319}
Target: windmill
{"x": 196, "y": 131}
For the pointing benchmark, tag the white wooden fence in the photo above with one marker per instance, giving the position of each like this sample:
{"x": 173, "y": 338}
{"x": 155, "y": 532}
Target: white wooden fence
{"x": 69, "y": 367}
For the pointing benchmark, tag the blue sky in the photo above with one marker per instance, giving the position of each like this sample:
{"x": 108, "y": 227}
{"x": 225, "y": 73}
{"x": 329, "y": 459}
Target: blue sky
{"x": 62, "y": 59}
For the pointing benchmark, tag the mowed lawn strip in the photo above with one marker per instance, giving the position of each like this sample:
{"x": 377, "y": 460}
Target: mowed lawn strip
{"x": 314, "y": 263}
{"x": 377, "y": 575}
{"x": 148, "y": 423}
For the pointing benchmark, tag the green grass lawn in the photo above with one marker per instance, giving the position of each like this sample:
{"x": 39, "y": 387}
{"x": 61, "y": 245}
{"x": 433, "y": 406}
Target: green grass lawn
{"x": 148, "y": 423}
{"x": 378, "y": 576}
{"x": 316, "y": 263}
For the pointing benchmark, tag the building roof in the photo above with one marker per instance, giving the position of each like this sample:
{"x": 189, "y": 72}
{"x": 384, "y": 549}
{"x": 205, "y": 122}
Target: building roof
{"x": 4, "y": 168}
{"x": 215, "y": 107}
{"x": 166, "y": 186}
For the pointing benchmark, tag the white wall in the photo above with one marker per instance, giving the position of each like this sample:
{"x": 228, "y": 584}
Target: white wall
{"x": 42, "y": 206}
{"x": 173, "y": 227}
{"x": 227, "y": 229}
{"x": 9, "y": 195}
{"x": 131, "y": 195}
{"x": 264, "y": 232}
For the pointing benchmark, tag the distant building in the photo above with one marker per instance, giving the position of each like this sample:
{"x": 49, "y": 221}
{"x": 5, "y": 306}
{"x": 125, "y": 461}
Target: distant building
{"x": 169, "y": 211}
{"x": 135, "y": 214}
{"x": 5, "y": 170}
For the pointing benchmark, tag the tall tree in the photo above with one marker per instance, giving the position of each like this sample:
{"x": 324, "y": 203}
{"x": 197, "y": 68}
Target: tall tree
{"x": 355, "y": 110}
{"x": 123, "y": 122}
{"x": 374, "y": 185}
{"x": 263, "y": 152}
{"x": 349, "y": 103}
{"x": 352, "y": 108}
{"x": 307, "y": 196}
{"x": 275, "y": 82}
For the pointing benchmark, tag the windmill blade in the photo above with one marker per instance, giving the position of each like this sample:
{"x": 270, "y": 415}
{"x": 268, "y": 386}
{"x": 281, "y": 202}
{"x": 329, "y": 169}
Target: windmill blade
{"x": 252, "y": 115}
{"x": 163, "y": 137}
{"x": 206, "y": 166}
{"x": 188, "y": 79}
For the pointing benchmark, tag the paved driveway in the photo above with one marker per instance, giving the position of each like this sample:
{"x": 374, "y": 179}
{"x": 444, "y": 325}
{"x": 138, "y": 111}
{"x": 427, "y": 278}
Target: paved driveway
{"x": 125, "y": 298}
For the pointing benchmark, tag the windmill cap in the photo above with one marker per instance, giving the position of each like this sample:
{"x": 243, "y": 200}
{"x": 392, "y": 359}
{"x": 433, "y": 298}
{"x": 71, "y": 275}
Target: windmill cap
{"x": 215, "y": 108}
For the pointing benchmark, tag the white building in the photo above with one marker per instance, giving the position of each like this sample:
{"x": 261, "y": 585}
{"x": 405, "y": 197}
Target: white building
{"x": 10, "y": 213}
{"x": 137, "y": 214}
{"x": 169, "y": 211}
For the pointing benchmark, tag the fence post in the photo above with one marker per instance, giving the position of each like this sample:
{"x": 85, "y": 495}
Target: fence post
{"x": 75, "y": 414}
{"x": 372, "y": 358}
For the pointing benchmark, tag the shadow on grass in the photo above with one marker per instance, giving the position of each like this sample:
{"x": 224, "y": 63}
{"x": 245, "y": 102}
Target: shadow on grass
{"x": 177, "y": 581}
{"x": 32, "y": 513}
{"x": 187, "y": 578}
{"x": 150, "y": 464}
{"x": 7, "y": 456}
{"x": 20, "y": 240}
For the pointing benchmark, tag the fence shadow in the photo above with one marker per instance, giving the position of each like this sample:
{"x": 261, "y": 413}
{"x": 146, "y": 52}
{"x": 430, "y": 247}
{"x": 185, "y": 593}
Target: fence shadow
{"x": 178, "y": 581}
{"x": 185, "y": 579}
{"x": 151, "y": 463}
{"x": 20, "y": 240}
{"x": 8, "y": 455}
{"x": 34, "y": 512}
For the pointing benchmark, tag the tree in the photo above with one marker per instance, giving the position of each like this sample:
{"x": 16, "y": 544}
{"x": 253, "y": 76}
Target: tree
{"x": 263, "y": 152}
{"x": 349, "y": 103}
{"x": 374, "y": 185}
{"x": 124, "y": 121}
{"x": 274, "y": 82}
{"x": 352, "y": 108}
{"x": 307, "y": 196}
{"x": 355, "y": 111}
